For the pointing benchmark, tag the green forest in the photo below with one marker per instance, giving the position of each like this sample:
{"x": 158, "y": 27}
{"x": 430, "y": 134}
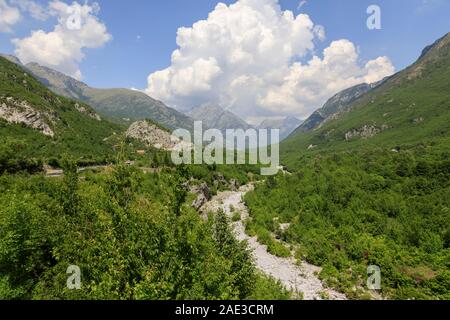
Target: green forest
{"x": 133, "y": 235}
{"x": 351, "y": 209}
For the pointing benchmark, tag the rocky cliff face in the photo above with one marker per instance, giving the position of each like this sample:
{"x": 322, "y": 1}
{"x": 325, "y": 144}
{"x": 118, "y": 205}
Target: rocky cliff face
{"x": 31, "y": 113}
{"x": 15, "y": 111}
{"x": 22, "y": 112}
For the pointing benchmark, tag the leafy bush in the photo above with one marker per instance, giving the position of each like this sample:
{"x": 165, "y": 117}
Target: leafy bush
{"x": 133, "y": 235}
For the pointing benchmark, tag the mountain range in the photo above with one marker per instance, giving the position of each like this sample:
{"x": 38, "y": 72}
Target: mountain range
{"x": 122, "y": 105}
{"x": 213, "y": 116}
{"x": 126, "y": 106}
{"x": 410, "y": 106}
{"x": 387, "y": 111}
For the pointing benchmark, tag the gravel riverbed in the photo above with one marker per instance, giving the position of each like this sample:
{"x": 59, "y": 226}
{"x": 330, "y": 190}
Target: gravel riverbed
{"x": 296, "y": 278}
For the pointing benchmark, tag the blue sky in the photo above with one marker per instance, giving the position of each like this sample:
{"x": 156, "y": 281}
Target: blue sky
{"x": 144, "y": 32}
{"x": 407, "y": 26}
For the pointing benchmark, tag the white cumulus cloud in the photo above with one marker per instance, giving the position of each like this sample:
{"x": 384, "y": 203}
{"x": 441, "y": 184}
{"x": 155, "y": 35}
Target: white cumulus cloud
{"x": 9, "y": 16}
{"x": 248, "y": 57}
{"x": 78, "y": 28}
{"x": 306, "y": 87}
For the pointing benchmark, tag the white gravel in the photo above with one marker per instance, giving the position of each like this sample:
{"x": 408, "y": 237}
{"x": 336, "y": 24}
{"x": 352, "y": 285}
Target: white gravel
{"x": 293, "y": 277}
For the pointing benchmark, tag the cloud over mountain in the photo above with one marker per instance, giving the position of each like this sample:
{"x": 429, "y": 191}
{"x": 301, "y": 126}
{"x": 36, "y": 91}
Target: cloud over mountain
{"x": 250, "y": 57}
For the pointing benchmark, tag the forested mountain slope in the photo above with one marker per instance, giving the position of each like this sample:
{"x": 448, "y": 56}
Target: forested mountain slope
{"x": 35, "y": 122}
{"x": 335, "y": 106}
{"x": 410, "y": 107}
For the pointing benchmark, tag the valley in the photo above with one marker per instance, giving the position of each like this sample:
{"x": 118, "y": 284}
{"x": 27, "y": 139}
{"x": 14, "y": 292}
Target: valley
{"x": 87, "y": 179}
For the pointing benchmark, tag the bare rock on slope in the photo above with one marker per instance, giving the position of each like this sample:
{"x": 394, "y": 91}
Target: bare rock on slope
{"x": 154, "y": 136}
{"x": 366, "y": 132}
{"x": 15, "y": 111}
{"x": 88, "y": 112}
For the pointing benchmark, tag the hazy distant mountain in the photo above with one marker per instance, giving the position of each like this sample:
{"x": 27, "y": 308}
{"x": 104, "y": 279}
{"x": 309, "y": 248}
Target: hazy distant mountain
{"x": 125, "y": 104}
{"x": 11, "y": 58}
{"x": 286, "y": 125}
{"x": 214, "y": 117}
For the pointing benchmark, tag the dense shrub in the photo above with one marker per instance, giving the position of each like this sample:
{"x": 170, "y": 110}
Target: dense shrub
{"x": 133, "y": 236}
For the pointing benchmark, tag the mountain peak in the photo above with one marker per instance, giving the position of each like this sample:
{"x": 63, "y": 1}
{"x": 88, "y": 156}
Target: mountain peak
{"x": 441, "y": 42}
{"x": 214, "y": 116}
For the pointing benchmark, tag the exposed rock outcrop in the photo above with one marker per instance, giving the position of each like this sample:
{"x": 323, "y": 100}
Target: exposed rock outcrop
{"x": 418, "y": 120}
{"x": 154, "y": 136}
{"x": 202, "y": 191}
{"x": 234, "y": 185}
{"x": 204, "y": 195}
{"x": 366, "y": 132}
{"x": 219, "y": 179}
{"x": 14, "y": 111}
{"x": 90, "y": 113}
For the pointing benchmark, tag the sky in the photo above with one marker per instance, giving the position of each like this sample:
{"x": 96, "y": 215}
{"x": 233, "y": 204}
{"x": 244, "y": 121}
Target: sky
{"x": 258, "y": 58}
